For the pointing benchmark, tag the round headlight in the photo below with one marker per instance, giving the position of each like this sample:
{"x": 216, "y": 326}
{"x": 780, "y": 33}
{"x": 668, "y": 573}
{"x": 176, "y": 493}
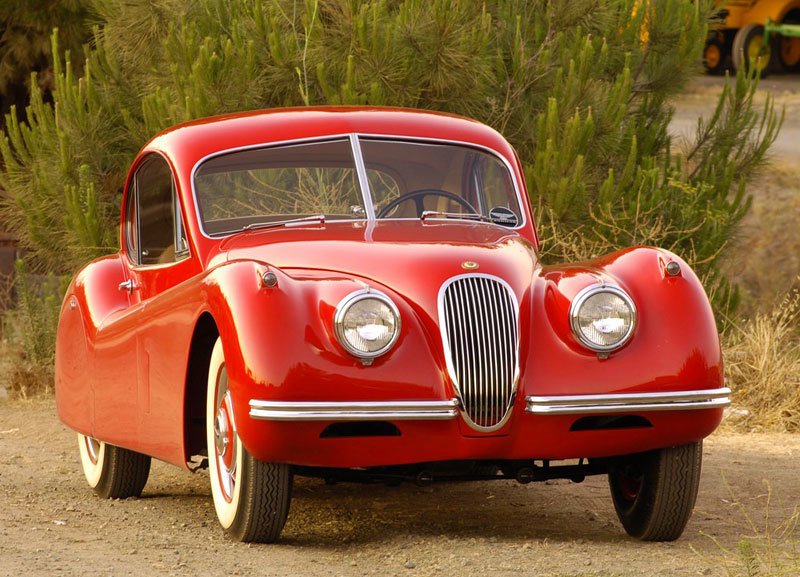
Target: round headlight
{"x": 602, "y": 317}
{"x": 367, "y": 323}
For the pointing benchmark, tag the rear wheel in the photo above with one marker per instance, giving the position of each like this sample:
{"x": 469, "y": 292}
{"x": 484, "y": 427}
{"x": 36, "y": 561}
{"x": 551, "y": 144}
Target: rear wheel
{"x": 113, "y": 472}
{"x": 654, "y": 493}
{"x": 251, "y": 498}
{"x": 749, "y": 49}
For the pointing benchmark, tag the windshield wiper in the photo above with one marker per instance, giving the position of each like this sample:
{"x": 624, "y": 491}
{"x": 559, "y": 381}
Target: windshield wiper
{"x": 315, "y": 218}
{"x": 426, "y": 214}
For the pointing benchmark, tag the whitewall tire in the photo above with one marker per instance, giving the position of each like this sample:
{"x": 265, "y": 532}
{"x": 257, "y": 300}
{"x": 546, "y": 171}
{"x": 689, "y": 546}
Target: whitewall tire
{"x": 113, "y": 472}
{"x": 251, "y": 498}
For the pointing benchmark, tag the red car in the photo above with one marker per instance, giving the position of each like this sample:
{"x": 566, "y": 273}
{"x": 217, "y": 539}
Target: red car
{"x": 355, "y": 294}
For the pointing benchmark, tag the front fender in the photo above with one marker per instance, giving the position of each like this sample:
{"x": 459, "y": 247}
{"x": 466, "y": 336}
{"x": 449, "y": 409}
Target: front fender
{"x": 675, "y": 345}
{"x": 279, "y": 343}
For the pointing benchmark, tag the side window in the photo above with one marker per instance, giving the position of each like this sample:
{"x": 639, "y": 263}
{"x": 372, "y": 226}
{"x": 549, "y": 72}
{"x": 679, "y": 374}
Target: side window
{"x": 155, "y": 228}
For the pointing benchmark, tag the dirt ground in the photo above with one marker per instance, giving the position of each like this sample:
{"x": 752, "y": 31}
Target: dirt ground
{"x": 52, "y": 524}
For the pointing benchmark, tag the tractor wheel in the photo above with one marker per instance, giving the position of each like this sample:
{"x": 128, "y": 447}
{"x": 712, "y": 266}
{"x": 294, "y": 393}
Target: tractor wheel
{"x": 749, "y": 50}
{"x": 714, "y": 56}
{"x": 788, "y": 48}
{"x": 789, "y": 54}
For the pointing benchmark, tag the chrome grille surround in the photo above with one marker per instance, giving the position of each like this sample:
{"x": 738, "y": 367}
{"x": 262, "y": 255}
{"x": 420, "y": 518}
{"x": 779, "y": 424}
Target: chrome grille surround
{"x": 479, "y": 322}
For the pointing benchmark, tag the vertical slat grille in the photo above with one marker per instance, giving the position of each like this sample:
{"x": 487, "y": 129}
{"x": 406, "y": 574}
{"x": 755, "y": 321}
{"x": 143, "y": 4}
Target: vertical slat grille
{"x": 479, "y": 327}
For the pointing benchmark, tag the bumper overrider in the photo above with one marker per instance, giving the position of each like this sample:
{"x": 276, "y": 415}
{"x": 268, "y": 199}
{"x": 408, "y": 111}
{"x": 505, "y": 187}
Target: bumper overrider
{"x": 448, "y": 409}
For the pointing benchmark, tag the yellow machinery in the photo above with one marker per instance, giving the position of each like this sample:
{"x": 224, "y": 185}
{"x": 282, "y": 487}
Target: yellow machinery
{"x": 764, "y": 34}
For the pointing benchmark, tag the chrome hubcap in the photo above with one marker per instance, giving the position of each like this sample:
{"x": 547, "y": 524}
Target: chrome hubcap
{"x": 92, "y": 448}
{"x": 225, "y": 437}
{"x": 221, "y": 429}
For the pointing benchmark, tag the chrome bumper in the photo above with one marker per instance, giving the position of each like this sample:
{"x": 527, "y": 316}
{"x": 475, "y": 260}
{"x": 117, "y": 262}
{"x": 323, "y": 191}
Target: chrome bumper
{"x": 353, "y": 411}
{"x": 628, "y": 402}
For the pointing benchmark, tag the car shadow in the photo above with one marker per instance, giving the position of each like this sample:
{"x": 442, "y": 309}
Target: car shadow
{"x": 332, "y": 515}
{"x": 343, "y": 514}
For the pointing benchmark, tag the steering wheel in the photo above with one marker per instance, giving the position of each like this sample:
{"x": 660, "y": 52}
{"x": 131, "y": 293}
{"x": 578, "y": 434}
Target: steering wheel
{"x": 419, "y": 195}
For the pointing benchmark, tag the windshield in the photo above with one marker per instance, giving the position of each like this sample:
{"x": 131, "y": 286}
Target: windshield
{"x": 407, "y": 180}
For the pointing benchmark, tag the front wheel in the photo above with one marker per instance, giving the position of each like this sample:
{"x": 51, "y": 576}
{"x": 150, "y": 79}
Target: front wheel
{"x": 251, "y": 498}
{"x": 654, "y": 493}
{"x": 113, "y": 472}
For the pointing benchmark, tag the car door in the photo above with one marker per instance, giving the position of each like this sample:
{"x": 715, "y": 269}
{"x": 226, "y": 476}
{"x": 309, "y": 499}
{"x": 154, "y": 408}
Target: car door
{"x": 116, "y": 399}
{"x": 141, "y": 346}
{"x": 160, "y": 261}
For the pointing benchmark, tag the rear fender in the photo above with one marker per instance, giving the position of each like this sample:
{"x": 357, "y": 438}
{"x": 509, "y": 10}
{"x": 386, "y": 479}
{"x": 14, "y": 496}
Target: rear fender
{"x": 91, "y": 298}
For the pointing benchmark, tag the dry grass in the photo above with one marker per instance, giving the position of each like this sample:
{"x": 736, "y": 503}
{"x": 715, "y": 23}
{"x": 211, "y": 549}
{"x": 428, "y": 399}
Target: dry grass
{"x": 762, "y": 357}
{"x": 762, "y": 347}
{"x": 767, "y": 548}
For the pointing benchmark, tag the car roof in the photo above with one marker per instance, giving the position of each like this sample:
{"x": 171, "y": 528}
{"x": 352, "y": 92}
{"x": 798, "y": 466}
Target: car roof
{"x": 186, "y": 144}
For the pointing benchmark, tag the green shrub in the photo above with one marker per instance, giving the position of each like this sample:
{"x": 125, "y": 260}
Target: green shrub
{"x": 25, "y": 56}
{"x": 581, "y": 89}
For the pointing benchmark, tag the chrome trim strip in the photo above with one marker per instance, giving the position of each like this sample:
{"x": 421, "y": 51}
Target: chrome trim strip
{"x": 353, "y": 410}
{"x": 628, "y": 402}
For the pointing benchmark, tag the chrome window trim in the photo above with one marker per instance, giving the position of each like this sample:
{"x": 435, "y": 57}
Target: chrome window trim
{"x": 577, "y": 303}
{"x": 363, "y": 179}
{"x": 131, "y": 235}
{"x": 628, "y": 402}
{"x": 353, "y": 410}
{"x": 365, "y": 193}
{"x": 176, "y": 208}
{"x": 180, "y": 229}
{"x": 351, "y": 299}
{"x": 451, "y": 371}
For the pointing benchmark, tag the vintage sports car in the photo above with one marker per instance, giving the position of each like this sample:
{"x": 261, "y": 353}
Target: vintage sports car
{"x": 355, "y": 294}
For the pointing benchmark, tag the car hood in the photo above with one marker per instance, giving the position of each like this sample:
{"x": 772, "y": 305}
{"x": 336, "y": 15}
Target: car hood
{"x": 408, "y": 257}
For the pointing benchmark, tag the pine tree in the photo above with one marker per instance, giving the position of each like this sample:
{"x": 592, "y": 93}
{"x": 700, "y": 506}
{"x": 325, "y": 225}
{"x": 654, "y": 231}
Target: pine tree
{"x": 25, "y": 29}
{"x": 582, "y": 89}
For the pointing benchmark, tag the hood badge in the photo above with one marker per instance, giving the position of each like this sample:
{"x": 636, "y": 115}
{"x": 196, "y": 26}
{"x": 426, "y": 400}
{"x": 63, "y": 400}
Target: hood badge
{"x": 469, "y": 265}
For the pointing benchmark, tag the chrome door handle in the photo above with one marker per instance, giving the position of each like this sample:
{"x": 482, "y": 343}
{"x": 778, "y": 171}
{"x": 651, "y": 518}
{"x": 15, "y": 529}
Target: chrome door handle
{"x": 128, "y": 285}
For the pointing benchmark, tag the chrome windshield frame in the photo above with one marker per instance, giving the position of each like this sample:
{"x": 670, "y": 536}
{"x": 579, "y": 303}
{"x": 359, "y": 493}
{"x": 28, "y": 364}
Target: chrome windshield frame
{"x": 354, "y": 140}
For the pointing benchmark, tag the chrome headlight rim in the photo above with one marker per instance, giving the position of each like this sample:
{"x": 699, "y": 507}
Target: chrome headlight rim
{"x": 344, "y": 306}
{"x": 575, "y": 308}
